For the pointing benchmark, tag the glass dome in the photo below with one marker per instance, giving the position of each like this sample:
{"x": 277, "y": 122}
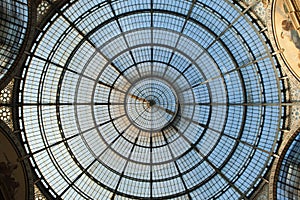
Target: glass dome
{"x": 13, "y": 24}
{"x": 150, "y": 99}
{"x": 288, "y": 183}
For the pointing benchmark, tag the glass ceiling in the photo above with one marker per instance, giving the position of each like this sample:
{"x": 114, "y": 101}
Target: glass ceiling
{"x": 150, "y": 99}
{"x": 288, "y": 183}
{"x": 13, "y": 24}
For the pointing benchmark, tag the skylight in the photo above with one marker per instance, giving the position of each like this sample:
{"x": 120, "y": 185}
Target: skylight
{"x": 151, "y": 99}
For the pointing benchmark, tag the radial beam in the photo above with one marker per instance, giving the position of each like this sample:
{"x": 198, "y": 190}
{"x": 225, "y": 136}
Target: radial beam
{"x": 222, "y": 133}
{"x": 63, "y": 140}
{"x": 91, "y": 164}
{"x": 228, "y": 27}
{"x": 80, "y": 74}
{"x": 85, "y": 37}
{"x": 124, "y": 37}
{"x": 176, "y": 165}
{"x": 70, "y": 104}
{"x": 180, "y": 35}
{"x": 236, "y": 104}
{"x": 195, "y": 148}
{"x": 125, "y": 166}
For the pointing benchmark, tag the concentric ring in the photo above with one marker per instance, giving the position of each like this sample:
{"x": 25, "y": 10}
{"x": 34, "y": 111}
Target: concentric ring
{"x": 151, "y": 99}
{"x": 151, "y": 104}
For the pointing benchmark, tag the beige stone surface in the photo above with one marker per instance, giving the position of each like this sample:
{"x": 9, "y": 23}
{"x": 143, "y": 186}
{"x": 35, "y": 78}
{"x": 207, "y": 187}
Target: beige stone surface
{"x": 286, "y": 36}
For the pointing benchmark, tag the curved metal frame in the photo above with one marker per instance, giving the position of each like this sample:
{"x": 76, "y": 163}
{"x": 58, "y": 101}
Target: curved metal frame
{"x": 193, "y": 146}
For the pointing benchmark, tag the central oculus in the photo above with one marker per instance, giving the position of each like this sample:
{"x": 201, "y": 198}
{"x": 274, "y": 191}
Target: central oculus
{"x": 151, "y": 104}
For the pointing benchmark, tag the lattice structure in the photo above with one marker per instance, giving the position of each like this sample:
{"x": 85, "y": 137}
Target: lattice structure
{"x": 288, "y": 184}
{"x": 151, "y": 99}
{"x": 13, "y": 24}
{"x": 6, "y": 98}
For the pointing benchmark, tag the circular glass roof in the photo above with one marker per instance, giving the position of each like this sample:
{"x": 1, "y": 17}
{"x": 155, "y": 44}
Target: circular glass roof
{"x": 150, "y": 99}
{"x": 13, "y": 24}
{"x": 288, "y": 183}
